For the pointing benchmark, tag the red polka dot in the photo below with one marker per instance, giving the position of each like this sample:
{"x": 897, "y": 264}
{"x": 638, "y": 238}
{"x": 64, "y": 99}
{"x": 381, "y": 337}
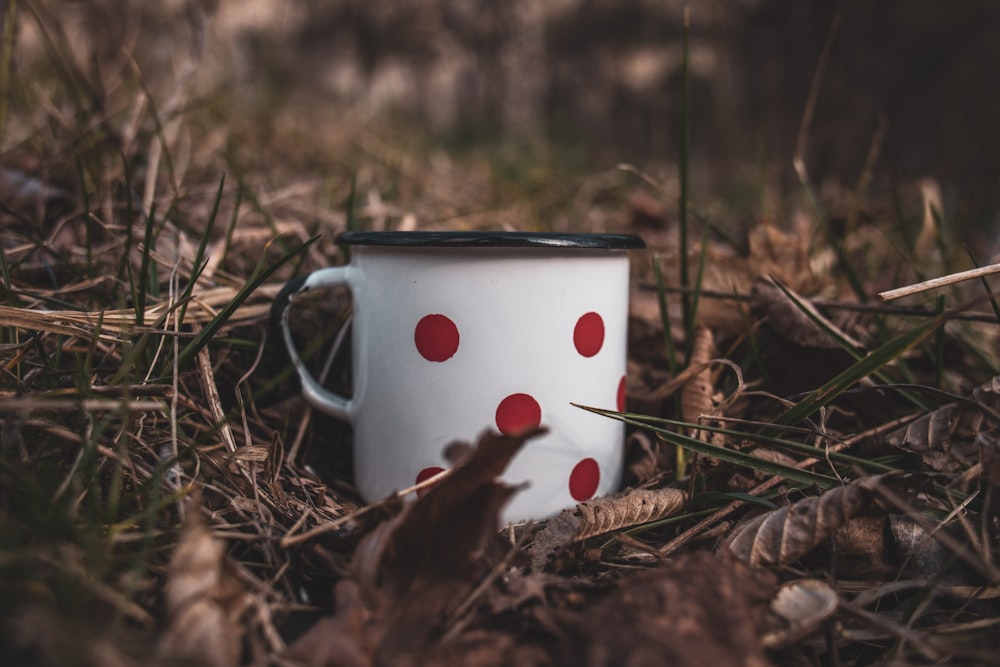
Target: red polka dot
{"x": 436, "y": 337}
{"x": 621, "y": 395}
{"x": 517, "y": 413}
{"x": 584, "y": 479}
{"x": 588, "y": 335}
{"x": 426, "y": 474}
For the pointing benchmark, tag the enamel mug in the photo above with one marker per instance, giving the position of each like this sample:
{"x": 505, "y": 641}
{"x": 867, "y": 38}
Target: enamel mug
{"x": 454, "y": 333}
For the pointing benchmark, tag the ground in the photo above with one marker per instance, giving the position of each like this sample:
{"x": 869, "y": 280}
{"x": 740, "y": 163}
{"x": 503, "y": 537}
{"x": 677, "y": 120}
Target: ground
{"x": 809, "y": 469}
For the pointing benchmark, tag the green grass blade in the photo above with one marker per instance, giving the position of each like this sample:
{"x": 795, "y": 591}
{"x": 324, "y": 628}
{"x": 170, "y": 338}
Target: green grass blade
{"x": 699, "y": 279}
{"x": 986, "y": 286}
{"x": 847, "y": 345}
{"x": 81, "y": 174}
{"x": 682, "y": 202}
{"x": 144, "y": 270}
{"x": 723, "y": 454}
{"x": 232, "y": 223}
{"x": 755, "y": 356}
{"x": 861, "y": 369}
{"x": 661, "y": 297}
{"x": 939, "y": 345}
{"x": 351, "y": 221}
{"x": 260, "y": 274}
{"x": 197, "y": 267}
{"x": 770, "y": 441}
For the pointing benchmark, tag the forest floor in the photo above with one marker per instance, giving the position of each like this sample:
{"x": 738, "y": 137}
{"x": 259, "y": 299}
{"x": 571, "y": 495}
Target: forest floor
{"x": 809, "y": 470}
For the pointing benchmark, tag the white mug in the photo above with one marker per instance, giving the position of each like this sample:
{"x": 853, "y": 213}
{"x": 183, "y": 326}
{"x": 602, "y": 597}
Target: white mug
{"x": 458, "y": 332}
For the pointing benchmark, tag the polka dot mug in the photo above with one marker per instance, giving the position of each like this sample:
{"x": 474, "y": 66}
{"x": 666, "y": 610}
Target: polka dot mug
{"x": 457, "y": 332}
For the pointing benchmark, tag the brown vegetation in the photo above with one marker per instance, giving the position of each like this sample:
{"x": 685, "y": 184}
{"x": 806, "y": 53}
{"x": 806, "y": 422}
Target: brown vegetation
{"x": 812, "y": 474}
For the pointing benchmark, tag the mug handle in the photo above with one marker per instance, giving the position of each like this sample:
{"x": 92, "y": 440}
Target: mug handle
{"x": 314, "y": 392}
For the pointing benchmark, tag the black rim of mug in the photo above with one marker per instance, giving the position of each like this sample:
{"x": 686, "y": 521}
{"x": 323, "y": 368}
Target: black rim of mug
{"x": 491, "y": 240}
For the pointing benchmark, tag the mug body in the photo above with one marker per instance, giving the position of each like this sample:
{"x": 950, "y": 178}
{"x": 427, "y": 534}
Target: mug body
{"x": 459, "y": 333}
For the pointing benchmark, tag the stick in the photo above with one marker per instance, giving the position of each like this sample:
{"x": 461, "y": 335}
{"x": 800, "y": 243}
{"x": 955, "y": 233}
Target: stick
{"x": 934, "y": 283}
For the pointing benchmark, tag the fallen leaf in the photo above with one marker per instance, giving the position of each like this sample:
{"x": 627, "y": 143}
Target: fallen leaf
{"x": 635, "y": 508}
{"x": 793, "y": 317}
{"x": 784, "y": 535}
{"x": 414, "y": 570}
{"x": 696, "y": 396}
{"x": 203, "y": 600}
{"x": 945, "y": 439}
{"x": 600, "y": 516}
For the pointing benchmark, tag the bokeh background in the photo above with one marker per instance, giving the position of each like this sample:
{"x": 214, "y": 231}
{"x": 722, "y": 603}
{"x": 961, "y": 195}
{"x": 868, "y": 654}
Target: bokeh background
{"x": 909, "y": 90}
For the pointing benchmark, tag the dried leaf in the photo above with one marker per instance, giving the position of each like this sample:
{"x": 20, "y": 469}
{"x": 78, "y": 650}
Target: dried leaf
{"x": 204, "y": 600}
{"x": 696, "y": 396}
{"x": 923, "y": 556}
{"x": 641, "y": 458}
{"x": 637, "y": 507}
{"x": 945, "y": 438}
{"x": 784, "y": 535}
{"x": 415, "y": 569}
{"x": 788, "y": 318}
{"x": 599, "y": 516}
{"x": 865, "y": 550}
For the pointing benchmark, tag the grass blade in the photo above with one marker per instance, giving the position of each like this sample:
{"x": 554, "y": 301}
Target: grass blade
{"x": 986, "y": 286}
{"x": 259, "y": 275}
{"x": 847, "y": 345}
{"x": 661, "y": 297}
{"x": 861, "y": 369}
{"x": 147, "y": 251}
{"x": 771, "y": 441}
{"x": 351, "y": 222}
{"x": 682, "y": 203}
{"x": 730, "y": 455}
{"x": 699, "y": 281}
{"x": 196, "y": 266}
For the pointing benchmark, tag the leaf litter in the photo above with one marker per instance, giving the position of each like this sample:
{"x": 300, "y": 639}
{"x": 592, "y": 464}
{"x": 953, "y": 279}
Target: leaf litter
{"x": 117, "y": 414}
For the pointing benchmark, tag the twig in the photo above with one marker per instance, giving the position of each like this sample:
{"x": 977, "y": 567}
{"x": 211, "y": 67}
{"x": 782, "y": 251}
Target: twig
{"x": 460, "y": 618}
{"x": 291, "y": 540}
{"x": 932, "y": 649}
{"x": 963, "y": 551}
{"x": 899, "y": 311}
{"x": 943, "y": 281}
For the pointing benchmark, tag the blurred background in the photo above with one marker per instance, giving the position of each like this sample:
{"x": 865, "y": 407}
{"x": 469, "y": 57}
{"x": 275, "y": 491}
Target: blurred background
{"x": 908, "y": 91}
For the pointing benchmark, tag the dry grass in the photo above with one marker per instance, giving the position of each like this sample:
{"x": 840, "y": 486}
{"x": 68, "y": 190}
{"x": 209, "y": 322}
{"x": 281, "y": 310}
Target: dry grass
{"x": 151, "y": 214}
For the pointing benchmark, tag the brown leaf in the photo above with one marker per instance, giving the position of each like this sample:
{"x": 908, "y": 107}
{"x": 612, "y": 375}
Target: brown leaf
{"x": 696, "y": 396}
{"x": 696, "y": 610}
{"x": 945, "y": 438}
{"x": 415, "y": 569}
{"x": 203, "y": 598}
{"x": 788, "y": 319}
{"x": 599, "y": 516}
{"x": 637, "y": 507}
{"x": 784, "y": 535}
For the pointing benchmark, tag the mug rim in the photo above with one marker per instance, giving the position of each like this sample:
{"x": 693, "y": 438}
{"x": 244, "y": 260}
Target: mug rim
{"x": 491, "y": 239}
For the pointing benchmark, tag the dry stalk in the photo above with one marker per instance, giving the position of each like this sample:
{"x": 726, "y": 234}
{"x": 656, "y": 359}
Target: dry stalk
{"x": 943, "y": 281}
